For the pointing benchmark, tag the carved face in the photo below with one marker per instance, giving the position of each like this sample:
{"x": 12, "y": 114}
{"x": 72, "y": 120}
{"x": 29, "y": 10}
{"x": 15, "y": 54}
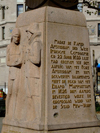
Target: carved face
{"x": 16, "y": 39}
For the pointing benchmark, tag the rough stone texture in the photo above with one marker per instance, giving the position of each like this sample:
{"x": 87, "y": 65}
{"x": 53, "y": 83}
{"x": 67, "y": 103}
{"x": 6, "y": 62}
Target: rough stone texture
{"x": 10, "y": 129}
{"x": 50, "y": 14}
{"x": 14, "y": 61}
{"x": 65, "y": 97}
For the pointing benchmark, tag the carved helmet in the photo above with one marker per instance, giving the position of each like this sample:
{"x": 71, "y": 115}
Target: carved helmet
{"x": 15, "y": 31}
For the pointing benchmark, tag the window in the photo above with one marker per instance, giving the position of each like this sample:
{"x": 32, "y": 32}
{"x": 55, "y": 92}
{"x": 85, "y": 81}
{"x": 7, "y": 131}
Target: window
{"x": 99, "y": 8}
{"x": 3, "y": 12}
{"x": 3, "y": 33}
{"x": 99, "y": 30}
{"x": 99, "y": 80}
{"x": 19, "y": 9}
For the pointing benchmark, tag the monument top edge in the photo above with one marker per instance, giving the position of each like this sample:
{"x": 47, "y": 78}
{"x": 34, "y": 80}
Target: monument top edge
{"x": 51, "y": 14}
{"x": 66, "y": 4}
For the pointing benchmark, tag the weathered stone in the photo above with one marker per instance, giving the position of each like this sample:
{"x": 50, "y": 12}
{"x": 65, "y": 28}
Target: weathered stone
{"x": 56, "y": 91}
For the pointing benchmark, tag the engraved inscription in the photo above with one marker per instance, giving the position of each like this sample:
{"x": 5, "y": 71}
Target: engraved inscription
{"x": 70, "y": 75}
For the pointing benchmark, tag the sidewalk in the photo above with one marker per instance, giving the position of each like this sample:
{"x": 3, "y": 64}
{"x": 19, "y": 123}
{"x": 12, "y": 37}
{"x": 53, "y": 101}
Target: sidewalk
{"x": 1, "y": 118}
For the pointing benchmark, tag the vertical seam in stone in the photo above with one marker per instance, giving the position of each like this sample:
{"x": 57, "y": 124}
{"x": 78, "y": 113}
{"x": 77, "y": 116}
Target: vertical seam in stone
{"x": 45, "y": 88}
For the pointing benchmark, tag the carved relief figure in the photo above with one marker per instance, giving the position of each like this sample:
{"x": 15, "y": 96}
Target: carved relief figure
{"x": 32, "y": 75}
{"x": 14, "y": 59}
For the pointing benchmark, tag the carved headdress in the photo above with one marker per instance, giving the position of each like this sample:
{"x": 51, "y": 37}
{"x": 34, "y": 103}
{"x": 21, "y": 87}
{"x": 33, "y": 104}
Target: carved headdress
{"x": 34, "y": 29}
{"x": 15, "y": 31}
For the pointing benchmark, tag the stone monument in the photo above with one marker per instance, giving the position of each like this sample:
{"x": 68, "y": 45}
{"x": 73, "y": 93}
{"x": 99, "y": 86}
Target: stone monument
{"x": 50, "y": 79}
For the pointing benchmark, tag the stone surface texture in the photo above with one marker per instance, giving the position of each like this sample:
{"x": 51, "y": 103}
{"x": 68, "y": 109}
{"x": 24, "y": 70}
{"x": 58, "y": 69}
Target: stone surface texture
{"x": 14, "y": 61}
{"x": 60, "y": 95}
{"x": 11, "y": 129}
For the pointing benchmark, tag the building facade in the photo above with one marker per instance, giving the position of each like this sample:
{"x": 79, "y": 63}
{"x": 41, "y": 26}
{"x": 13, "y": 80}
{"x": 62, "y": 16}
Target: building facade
{"x": 9, "y": 11}
{"x": 93, "y": 25}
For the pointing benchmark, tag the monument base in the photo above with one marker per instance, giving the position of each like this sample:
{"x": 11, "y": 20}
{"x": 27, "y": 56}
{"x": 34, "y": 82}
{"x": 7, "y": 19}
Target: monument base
{"x": 12, "y": 129}
{"x": 63, "y": 100}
